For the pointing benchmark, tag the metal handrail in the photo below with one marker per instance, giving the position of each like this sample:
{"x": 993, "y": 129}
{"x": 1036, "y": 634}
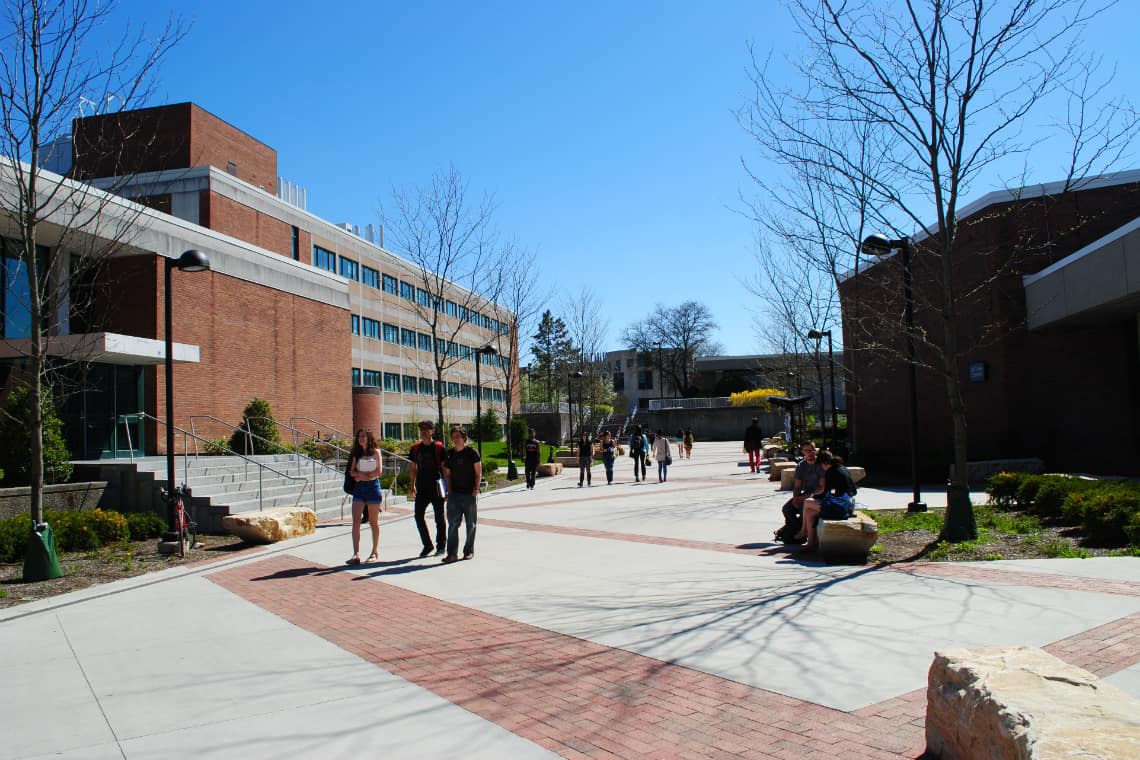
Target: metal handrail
{"x": 186, "y": 457}
{"x": 320, "y": 425}
{"x": 385, "y": 459}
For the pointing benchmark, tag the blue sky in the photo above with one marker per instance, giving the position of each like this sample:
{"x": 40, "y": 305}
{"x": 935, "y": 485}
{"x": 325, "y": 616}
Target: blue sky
{"x": 606, "y": 131}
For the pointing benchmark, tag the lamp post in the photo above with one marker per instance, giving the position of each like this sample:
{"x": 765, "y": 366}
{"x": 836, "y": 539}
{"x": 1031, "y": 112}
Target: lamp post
{"x": 570, "y": 400}
{"x": 660, "y": 370}
{"x": 489, "y": 350}
{"x": 818, "y": 335}
{"x": 879, "y": 245}
{"x": 189, "y": 261}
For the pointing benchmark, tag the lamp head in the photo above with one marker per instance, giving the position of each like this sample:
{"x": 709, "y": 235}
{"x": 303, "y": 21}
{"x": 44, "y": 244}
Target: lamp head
{"x": 579, "y": 373}
{"x": 818, "y": 335}
{"x": 193, "y": 261}
{"x": 488, "y": 349}
{"x": 878, "y": 245}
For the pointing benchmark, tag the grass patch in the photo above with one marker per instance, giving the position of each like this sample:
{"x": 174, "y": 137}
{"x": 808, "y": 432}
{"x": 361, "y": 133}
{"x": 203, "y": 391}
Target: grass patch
{"x": 1006, "y": 522}
{"x": 1061, "y": 549}
{"x": 894, "y": 521}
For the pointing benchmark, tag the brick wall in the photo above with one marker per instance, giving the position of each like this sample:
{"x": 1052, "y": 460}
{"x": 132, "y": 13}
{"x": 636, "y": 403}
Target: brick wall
{"x": 238, "y": 220}
{"x": 213, "y": 142}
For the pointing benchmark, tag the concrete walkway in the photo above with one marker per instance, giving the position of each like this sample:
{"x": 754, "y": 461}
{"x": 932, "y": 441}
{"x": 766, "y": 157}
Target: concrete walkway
{"x": 625, "y": 620}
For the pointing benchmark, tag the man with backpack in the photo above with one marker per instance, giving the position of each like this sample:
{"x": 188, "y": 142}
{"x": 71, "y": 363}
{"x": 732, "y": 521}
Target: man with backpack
{"x": 638, "y": 447}
{"x": 532, "y": 451}
{"x": 426, "y": 470}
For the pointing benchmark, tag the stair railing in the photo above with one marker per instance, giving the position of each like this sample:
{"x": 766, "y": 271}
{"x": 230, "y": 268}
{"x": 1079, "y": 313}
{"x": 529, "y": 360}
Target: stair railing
{"x": 186, "y": 434}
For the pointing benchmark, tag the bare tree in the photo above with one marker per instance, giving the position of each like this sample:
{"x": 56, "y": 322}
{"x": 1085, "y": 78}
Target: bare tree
{"x": 683, "y": 333}
{"x": 55, "y": 65}
{"x": 449, "y": 239}
{"x": 588, "y": 328}
{"x": 520, "y": 297}
{"x": 944, "y": 89}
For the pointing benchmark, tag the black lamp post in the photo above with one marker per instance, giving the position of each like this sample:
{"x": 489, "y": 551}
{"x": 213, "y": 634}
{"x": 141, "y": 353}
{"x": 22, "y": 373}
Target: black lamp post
{"x": 489, "y": 350}
{"x": 570, "y": 400}
{"x": 879, "y": 246}
{"x": 189, "y": 261}
{"x": 660, "y": 371}
{"x": 818, "y": 335}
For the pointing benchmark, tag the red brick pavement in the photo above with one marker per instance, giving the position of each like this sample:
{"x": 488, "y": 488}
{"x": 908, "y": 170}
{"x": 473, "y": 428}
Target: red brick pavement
{"x": 572, "y": 696}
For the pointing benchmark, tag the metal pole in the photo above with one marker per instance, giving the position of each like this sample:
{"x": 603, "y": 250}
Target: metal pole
{"x": 570, "y": 406}
{"x": 169, "y": 340}
{"x": 834, "y": 416}
{"x": 478, "y": 402}
{"x": 917, "y": 505}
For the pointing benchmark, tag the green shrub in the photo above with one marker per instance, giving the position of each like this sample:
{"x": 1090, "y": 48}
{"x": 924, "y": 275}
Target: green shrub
{"x": 110, "y": 527}
{"x": 16, "y": 439}
{"x": 216, "y": 447}
{"x": 258, "y": 419}
{"x": 327, "y": 450}
{"x": 1051, "y": 494}
{"x": 144, "y": 525}
{"x": 520, "y": 431}
{"x": 72, "y": 532}
{"x": 1106, "y": 512}
{"x": 490, "y": 464}
{"x": 14, "y": 533}
{"x": 403, "y": 481}
{"x": 487, "y": 427}
{"x": 1002, "y": 488}
{"x": 1027, "y": 491}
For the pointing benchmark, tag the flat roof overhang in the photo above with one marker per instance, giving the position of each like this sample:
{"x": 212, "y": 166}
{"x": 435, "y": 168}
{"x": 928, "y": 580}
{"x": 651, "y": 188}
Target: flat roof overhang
{"x": 104, "y": 348}
{"x": 1097, "y": 284}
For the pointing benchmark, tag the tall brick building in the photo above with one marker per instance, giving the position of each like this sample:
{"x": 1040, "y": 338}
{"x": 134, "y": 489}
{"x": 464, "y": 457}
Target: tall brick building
{"x": 295, "y": 310}
{"x": 1049, "y": 311}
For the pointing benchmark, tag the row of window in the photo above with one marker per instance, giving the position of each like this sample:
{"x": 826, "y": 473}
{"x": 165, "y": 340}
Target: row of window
{"x": 327, "y": 260}
{"x": 409, "y": 431}
{"x": 389, "y": 333}
{"x": 425, "y": 386}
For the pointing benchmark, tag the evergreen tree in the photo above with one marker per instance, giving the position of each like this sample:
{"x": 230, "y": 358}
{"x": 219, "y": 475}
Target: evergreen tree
{"x": 552, "y": 351}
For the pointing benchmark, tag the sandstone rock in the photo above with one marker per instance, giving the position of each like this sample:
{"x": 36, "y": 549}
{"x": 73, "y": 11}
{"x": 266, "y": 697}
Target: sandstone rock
{"x": 787, "y": 478}
{"x": 854, "y": 536}
{"x": 272, "y": 525}
{"x": 548, "y": 469}
{"x": 857, "y": 473}
{"x": 1021, "y": 702}
{"x": 777, "y": 467}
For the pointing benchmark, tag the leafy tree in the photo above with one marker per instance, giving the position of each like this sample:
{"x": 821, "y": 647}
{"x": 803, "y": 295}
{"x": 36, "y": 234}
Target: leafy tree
{"x": 552, "y": 350}
{"x": 520, "y": 431}
{"x": 16, "y": 436}
{"x": 488, "y": 427}
{"x": 257, "y": 419}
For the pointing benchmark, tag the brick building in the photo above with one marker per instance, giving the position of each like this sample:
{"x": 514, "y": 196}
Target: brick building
{"x": 1049, "y": 284}
{"x": 315, "y": 319}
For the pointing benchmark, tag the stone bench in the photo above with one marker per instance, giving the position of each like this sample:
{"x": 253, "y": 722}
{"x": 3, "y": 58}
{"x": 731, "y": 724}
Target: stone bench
{"x": 777, "y": 467}
{"x": 787, "y": 478}
{"x": 852, "y": 537}
{"x": 1021, "y": 702}
{"x": 857, "y": 474}
{"x": 271, "y": 525}
{"x": 549, "y": 469}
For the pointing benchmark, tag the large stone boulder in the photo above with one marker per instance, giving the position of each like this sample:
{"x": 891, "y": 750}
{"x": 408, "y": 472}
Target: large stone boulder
{"x": 547, "y": 469}
{"x": 852, "y": 537}
{"x": 787, "y": 478}
{"x": 272, "y": 525}
{"x": 1020, "y": 703}
{"x": 857, "y": 474}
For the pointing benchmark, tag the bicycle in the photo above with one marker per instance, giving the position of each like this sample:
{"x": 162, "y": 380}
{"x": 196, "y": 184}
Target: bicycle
{"x": 185, "y": 529}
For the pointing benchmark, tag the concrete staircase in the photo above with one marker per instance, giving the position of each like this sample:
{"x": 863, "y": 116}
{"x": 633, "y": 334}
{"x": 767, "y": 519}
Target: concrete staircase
{"x": 223, "y": 485}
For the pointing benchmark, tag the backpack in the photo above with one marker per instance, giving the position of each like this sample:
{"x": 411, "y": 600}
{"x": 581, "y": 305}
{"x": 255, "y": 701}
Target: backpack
{"x": 415, "y": 455}
{"x": 637, "y": 444}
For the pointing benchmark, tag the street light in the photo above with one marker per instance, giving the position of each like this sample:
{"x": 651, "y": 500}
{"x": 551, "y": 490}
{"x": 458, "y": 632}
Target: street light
{"x": 818, "y": 335}
{"x": 879, "y": 246}
{"x": 570, "y": 400}
{"x": 490, "y": 351}
{"x": 189, "y": 261}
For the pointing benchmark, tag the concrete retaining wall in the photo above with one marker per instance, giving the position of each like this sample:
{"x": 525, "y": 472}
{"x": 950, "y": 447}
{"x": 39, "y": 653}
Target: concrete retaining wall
{"x": 59, "y": 498}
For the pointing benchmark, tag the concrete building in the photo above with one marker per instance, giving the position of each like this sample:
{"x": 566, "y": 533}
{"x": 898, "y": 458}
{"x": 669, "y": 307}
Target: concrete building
{"x": 1049, "y": 313}
{"x": 637, "y": 377}
{"x": 306, "y": 314}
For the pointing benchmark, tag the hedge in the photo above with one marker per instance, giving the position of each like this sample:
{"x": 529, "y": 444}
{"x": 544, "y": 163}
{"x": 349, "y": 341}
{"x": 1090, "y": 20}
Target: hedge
{"x": 78, "y": 531}
{"x": 1108, "y": 512}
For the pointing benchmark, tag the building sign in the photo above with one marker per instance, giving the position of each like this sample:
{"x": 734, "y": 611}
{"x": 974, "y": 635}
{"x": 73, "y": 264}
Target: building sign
{"x": 978, "y": 372}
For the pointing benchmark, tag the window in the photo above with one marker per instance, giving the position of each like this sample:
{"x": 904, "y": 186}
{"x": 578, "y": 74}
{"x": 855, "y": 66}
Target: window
{"x": 370, "y": 277}
{"x": 465, "y": 352}
{"x": 453, "y": 390}
{"x": 407, "y": 291}
{"x": 474, "y": 317}
{"x": 371, "y": 329}
{"x": 504, "y": 328}
{"x": 410, "y": 385}
{"x": 407, "y": 337}
{"x": 464, "y": 314}
{"x": 426, "y": 387}
{"x": 391, "y": 285}
{"x": 619, "y": 382}
{"x": 391, "y": 333}
{"x": 465, "y": 391}
{"x": 349, "y": 268}
{"x": 372, "y": 378}
{"x": 497, "y": 394}
{"x": 392, "y": 430}
{"x": 324, "y": 259}
{"x": 356, "y": 376}
{"x": 440, "y": 346}
{"x": 452, "y": 309}
{"x": 424, "y": 341}
{"x": 486, "y": 322}
{"x": 411, "y": 431}
{"x": 628, "y": 363}
{"x": 645, "y": 380}
{"x": 423, "y": 298}
{"x": 355, "y": 325}
{"x": 495, "y": 326}
{"x": 296, "y": 244}
{"x": 452, "y": 348}
{"x": 391, "y": 382}
{"x": 486, "y": 394}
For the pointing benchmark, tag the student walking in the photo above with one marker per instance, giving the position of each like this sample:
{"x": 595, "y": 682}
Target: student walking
{"x": 426, "y": 470}
{"x": 638, "y": 448}
{"x": 585, "y": 458}
{"x": 662, "y": 453}
{"x": 609, "y": 451}
{"x": 532, "y": 452}
{"x": 463, "y": 471}
{"x": 364, "y": 467}
{"x": 688, "y": 440}
{"x": 753, "y": 445}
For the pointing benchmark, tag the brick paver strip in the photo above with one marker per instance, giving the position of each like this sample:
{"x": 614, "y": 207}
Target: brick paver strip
{"x": 1018, "y": 577}
{"x": 572, "y": 696}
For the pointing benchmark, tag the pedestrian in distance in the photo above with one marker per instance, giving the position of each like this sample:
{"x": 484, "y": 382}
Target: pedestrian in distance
{"x": 585, "y": 458}
{"x": 463, "y": 472}
{"x": 426, "y": 471}
{"x": 688, "y": 439}
{"x": 609, "y": 451}
{"x": 664, "y": 456}
{"x": 638, "y": 449}
{"x": 364, "y": 467}
{"x": 532, "y": 453}
{"x": 753, "y": 445}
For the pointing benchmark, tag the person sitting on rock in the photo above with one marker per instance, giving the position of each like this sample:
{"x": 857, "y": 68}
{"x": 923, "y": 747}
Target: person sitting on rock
{"x": 833, "y": 502}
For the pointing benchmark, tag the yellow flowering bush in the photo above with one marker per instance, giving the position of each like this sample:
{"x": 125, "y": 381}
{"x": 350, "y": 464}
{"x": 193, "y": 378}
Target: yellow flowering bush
{"x": 758, "y": 397}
